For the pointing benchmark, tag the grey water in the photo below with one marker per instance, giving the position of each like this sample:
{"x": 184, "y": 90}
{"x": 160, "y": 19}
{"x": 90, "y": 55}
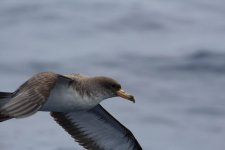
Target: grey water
{"x": 169, "y": 54}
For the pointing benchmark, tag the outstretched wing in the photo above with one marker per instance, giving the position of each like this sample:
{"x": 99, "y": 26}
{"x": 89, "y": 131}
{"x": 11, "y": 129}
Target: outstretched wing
{"x": 96, "y": 129}
{"x": 29, "y": 98}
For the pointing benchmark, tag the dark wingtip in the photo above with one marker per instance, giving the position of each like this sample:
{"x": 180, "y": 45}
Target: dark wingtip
{"x": 4, "y": 118}
{"x": 5, "y": 95}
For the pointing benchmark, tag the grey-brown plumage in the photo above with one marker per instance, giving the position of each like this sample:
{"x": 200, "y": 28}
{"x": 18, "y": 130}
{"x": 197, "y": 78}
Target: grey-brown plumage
{"x": 73, "y": 101}
{"x": 30, "y": 96}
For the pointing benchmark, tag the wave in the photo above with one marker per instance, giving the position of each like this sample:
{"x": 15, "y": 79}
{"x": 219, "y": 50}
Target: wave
{"x": 198, "y": 62}
{"x": 202, "y": 61}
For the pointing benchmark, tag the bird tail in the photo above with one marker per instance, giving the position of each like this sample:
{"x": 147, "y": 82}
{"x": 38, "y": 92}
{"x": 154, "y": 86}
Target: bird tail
{"x": 4, "y": 99}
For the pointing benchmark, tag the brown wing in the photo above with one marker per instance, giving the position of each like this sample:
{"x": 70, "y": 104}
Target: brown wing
{"x": 30, "y": 96}
{"x": 97, "y": 130}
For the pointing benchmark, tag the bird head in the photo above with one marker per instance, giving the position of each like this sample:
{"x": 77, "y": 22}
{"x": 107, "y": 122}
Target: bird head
{"x": 106, "y": 87}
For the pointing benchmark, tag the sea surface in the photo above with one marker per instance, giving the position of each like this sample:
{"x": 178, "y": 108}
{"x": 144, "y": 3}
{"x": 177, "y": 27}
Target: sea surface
{"x": 169, "y": 54}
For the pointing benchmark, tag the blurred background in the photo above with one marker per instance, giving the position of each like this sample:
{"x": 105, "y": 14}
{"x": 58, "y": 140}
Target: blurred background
{"x": 169, "y": 54}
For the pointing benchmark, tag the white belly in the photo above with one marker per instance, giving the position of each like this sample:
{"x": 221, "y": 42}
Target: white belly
{"x": 66, "y": 99}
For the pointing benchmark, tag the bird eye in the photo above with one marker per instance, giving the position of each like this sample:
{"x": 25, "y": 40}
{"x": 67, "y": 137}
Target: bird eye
{"x": 115, "y": 86}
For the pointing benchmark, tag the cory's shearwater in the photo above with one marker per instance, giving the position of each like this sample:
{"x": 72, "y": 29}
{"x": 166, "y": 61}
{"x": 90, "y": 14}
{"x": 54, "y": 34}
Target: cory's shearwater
{"x": 73, "y": 101}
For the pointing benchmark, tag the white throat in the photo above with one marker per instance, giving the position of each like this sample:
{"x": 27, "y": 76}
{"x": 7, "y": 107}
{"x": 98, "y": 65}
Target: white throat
{"x": 66, "y": 99}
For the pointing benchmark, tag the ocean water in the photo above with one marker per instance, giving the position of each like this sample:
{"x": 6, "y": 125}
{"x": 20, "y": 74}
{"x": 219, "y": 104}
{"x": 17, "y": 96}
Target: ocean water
{"x": 169, "y": 54}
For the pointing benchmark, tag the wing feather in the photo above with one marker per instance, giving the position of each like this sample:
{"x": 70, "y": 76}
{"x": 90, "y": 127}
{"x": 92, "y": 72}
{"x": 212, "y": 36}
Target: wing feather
{"x": 29, "y": 98}
{"x": 97, "y": 130}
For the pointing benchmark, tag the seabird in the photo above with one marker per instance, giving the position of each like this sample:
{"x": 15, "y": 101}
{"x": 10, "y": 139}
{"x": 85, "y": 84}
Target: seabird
{"x": 73, "y": 101}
